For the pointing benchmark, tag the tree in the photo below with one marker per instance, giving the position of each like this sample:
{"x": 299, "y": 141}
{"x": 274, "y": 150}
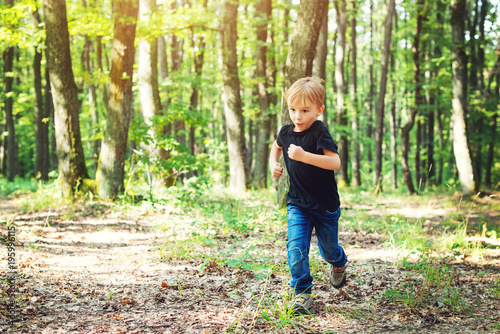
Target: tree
{"x": 319, "y": 64}
{"x": 111, "y": 170}
{"x": 459, "y": 102}
{"x": 380, "y": 108}
{"x": 42, "y": 162}
{"x": 299, "y": 63}
{"x": 235, "y": 126}
{"x": 263, "y": 11}
{"x": 355, "y": 160}
{"x": 12, "y": 163}
{"x": 149, "y": 95}
{"x": 341, "y": 85}
{"x": 71, "y": 160}
{"x": 405, "y": 131}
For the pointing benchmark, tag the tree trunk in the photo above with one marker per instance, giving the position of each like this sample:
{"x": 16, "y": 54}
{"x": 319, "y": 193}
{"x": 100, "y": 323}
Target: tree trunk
{"x": 481, "y": 43}
{"x": 459, "y": 101}
{"x": 380, "y": 108}
{"x": 299, "y": 64}
{"x": 88, "y": 67}
{"x": 198, "y": 57}
{"x": 491, "y": 152}
{"x": 340, "y": 81}
{"x": 111, "y": 171}
{"x": 149, "y": 95}
{"x": 393, "y": 121}
{"x": 319, "y": 64}
{"x": 42, "y": 154}
{"x": 12, "y": 162}
{"x": 49, "y": 111}
{"x": 235, "y": 125}
{"x": 263, "y": 11}
{"x": 371, "y": 92}
{"x": 71, "y": 160}
{"x": 405, "y": 131}
{"x": 104, "y": 88}
{"x": 355, "y": 161}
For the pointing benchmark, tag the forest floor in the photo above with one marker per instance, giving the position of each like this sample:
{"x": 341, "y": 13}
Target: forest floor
{"x": 423, "y": 264}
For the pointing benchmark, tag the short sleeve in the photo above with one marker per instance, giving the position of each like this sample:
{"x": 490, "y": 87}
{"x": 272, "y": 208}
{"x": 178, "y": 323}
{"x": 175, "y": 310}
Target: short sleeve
{"x": 325, "y": 140}
{"x": 279, "y": 140}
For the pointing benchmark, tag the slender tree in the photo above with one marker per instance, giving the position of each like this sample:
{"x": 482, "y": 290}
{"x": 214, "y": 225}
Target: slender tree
{"x": 12, "y": 159}
{"x": 355, "y": 160}
{"x": 149, "y": 95}
{"x": 71, "y": 160}
{"x": 380, "y": 108}
{"x": 405, "y": 131}
{"x": 459, "y": 102}
{"x": 319, "y": 64}
{"x": 263, "y": 10}
{"x": 111, "y": 172}
{"x": 42, "y": 155}
{"x": 88, "y": 67}
{"x": 341, "y": 84}
{"x": 235, "y": 126}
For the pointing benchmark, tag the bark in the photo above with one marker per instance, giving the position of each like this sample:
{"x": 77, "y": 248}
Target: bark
{"x": 162, "y": 58}
{"x": 473, "y": 43}
{"x": 235, "y": 127}
{"x": 371, "y": 91}
{"x": 459, "y": 101}
{"x": 11, "y": 151}
{"x": 481, "y": 42}
{"x": 263, "y": 11}
{"x": 198, "y": 57}
{"x": 71, "y": 160}
{"x": 177, "y": 56}
{"x": 319, "y": 64}
{"x": 104, "y": 88}
{"x": 42, "y": 154}
{"x": 491, "y": 152}
{"x": 11, "y": 145}
{"x": 405, "y": 131}
{"x": 111, "y": 171}
{"x": 340, "y": 81}
{"x": 272, "y": 72}
{"x": 441, "y": 7}
{"x": 355, "y": 161}
{"x": 149, "y": 95}
{"x": 393, "y": 120}
{"x": 299, "y": 64}
{"x": 49, "y": 111}
{"x": 380, "y": 108}
{"x": 88, "y": 67}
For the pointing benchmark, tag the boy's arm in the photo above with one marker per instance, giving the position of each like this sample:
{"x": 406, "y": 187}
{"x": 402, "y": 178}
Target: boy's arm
{"x": 330, "y": 160}
{"x": 274, "y": 165}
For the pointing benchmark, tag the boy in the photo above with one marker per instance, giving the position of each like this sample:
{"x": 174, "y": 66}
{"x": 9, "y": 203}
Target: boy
{"x": 311, "y": 157}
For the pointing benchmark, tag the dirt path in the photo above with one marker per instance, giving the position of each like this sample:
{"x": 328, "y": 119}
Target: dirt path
{"x": 93, "y": 270}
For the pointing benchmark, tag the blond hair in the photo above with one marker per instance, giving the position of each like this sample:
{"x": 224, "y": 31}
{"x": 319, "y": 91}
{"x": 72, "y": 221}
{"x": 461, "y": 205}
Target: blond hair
{"x": 309, "y": 89}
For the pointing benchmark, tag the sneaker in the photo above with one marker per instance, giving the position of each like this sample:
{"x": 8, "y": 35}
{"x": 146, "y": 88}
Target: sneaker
{"x": 338, "y": 276}
{"x": 302, "y": 304}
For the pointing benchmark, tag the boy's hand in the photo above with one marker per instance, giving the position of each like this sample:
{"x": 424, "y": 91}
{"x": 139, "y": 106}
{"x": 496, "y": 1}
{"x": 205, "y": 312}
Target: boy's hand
{"x": 296, "y": 152}
{"x": 277, "y": 170}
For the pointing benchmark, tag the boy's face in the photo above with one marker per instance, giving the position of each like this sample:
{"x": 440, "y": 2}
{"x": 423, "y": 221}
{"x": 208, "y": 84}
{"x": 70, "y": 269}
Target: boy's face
{"x": 304, "y": 113}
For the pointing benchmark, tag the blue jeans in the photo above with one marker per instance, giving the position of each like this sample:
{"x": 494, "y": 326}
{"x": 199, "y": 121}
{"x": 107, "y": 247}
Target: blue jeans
{"x": 300, "y": 225}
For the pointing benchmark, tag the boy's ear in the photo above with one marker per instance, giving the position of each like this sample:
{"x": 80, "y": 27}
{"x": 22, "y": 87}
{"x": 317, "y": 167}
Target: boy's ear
{"x": 320, "y": 110}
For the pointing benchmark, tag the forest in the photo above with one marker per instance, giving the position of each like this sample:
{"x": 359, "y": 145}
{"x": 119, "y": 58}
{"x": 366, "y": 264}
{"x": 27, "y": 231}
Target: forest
{"x": 134, "y": 164}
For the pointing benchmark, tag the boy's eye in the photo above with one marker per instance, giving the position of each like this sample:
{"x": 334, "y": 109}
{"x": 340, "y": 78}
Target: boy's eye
{"x": 305, "y": 111}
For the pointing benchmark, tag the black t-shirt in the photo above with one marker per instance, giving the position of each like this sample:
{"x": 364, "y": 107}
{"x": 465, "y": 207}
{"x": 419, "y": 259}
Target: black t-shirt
{"x": 311, "y": 187}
